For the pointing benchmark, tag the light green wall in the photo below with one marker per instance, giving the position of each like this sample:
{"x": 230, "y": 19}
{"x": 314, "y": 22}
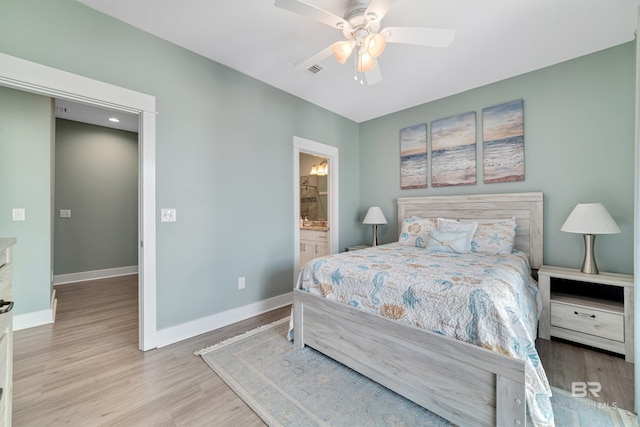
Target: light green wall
{"x": 579, "y": 147}
{"x": 96, "y": 177}
{"x": 25, "y": 173}
{"x": 224, "y": 154}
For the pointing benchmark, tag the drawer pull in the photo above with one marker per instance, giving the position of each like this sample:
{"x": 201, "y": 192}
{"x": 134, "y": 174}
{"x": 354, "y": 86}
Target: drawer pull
{"x": 593, "y": 316}
{"x": 7, "y": 304}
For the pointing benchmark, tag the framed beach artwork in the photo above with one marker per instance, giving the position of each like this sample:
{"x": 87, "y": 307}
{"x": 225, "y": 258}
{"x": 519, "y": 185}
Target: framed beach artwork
{"x": 413, "y": 157}
{"x": 453, "y": 150}
{"x": 503, "y": 142}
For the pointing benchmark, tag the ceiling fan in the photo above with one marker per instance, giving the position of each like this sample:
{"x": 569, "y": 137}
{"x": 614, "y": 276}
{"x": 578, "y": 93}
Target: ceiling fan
{"x": 360, "y": 26}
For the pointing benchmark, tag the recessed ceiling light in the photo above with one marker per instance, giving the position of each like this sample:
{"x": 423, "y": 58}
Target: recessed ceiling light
{"x": 114, "y": 119}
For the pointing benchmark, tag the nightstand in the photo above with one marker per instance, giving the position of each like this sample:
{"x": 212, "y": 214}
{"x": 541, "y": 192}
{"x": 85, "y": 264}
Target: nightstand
{"x": 591, "y": 309}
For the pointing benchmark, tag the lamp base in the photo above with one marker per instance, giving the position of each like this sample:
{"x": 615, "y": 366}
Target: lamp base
{"x": 374, "y": 241}
{"x": 589, "y": 264}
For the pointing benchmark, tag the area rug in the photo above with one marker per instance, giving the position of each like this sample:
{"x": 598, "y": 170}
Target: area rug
{"x": 289, "y": 387}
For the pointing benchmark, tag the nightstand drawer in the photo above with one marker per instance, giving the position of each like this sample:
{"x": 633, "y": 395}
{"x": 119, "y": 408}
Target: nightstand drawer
{"x": 588, "y": 320}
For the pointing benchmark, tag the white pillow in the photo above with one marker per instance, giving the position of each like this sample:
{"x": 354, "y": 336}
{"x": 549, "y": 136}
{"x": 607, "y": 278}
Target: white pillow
{"x": 454, "y": 226}
{"x": 455, "y": 242}
{"x": 415, "y": 231}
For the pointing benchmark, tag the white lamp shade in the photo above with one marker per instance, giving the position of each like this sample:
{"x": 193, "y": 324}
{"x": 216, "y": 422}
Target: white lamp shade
{"x": 590, "y": 218}
{"x": 374, "y": 216}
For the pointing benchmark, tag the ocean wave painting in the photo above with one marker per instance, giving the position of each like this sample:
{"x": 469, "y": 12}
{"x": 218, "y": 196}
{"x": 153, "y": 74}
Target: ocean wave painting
{"x": 413, "y": 157}
{"x": 503, "y": 142}
{"x": 453, "y": 150}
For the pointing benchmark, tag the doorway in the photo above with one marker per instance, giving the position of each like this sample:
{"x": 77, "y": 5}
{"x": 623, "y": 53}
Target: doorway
{"x": 329, "y": 202}
{"x": 95, "y": 217}
{"x": 19, "y": 74}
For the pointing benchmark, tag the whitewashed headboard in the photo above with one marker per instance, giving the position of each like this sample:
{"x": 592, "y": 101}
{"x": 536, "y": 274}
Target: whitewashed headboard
{"x": 525, "y": 207}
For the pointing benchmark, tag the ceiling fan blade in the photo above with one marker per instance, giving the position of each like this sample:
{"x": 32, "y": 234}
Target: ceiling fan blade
{"x": 435, "y": 37}
{"x": 373, "y": 76}
{"x": 377, "y": 9}
{"x": 313, "y": 12}
{"x": 305, "y": 63}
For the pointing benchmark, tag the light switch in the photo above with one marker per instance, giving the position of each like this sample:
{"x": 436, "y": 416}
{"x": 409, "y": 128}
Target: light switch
{"x": 18, "y": 214}
{"x": 167, "y": 215}
{"x": 65, "y": 213}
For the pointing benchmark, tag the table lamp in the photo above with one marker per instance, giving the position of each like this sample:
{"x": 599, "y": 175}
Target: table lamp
{"x": 374, "y": 217}
{"x": 590, "y": 219}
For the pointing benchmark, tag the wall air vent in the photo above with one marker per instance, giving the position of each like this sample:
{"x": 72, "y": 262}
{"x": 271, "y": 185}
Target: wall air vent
{"x": 315, "y": 69}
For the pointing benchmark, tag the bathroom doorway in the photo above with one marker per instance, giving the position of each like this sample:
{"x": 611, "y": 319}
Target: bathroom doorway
{"x": 316, "y": 199}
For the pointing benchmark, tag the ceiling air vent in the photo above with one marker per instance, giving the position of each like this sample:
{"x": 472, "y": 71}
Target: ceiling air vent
{"x": 315, "y": 69}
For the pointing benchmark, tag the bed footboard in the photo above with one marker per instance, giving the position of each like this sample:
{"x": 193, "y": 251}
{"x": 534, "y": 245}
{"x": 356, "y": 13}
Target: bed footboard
{"x": 463, "y": 383}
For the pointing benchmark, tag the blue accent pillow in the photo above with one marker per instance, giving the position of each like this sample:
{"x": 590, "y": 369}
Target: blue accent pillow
{"x": 453, "y": 242}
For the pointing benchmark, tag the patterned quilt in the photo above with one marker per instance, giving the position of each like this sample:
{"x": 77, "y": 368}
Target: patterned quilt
{"x": 487, "y": 300}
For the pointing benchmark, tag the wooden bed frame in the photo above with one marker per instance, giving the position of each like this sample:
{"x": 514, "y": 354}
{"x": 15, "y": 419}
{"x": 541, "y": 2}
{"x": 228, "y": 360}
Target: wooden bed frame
{"x": 463, "y": 383}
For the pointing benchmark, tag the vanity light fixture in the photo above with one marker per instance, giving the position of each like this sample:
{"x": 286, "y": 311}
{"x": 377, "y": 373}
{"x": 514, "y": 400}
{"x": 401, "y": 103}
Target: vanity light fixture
{"x": 114, "y": 119}
{"x": 322, "y": 169}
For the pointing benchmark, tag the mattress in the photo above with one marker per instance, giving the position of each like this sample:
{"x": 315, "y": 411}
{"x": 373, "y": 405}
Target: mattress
{"x": 486, "y": 300}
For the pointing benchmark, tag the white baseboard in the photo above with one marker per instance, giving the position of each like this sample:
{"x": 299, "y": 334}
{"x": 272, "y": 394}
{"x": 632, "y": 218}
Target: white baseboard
{"x": 206, "y": 324}
{"x": 30, "y": 320}
{"x": 93, "y": 275}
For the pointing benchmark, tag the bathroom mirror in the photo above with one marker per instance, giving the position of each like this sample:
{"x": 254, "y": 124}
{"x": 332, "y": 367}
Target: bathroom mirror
{"x": 313, "y": 187}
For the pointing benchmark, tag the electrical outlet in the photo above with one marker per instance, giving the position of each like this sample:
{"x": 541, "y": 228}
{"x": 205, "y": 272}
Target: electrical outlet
{"x": 167, "y": 215}
{"x": 240, "y": 282}
{"x": 19, "y": 214}
{"x": 65, "y": 213}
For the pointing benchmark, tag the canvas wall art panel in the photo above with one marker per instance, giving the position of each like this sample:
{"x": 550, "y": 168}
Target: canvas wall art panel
{"x": 413, "y": 157}
{"x": 503, "y": 142}
{"x": 453, "y": 150}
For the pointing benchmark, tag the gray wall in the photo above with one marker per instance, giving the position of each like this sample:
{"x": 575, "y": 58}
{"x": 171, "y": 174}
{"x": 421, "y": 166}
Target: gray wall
{"x": 224, "y": 152}
{"x": 26, "y": 122}
{"x": 579, "y": 147}
{"x": 96, "y": 177}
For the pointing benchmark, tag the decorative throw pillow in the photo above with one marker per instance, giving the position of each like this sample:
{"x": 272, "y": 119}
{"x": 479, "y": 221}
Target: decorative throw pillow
{"x": 415, "y": 231}
{"x": 494, "y": 236}
{"x": 455, "y": 242}
{"x": 454, "y": 226}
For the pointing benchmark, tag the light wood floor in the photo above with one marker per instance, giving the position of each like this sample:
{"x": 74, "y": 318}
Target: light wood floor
{"x": 86, "y": 369}
{"x": 565, "y": 363}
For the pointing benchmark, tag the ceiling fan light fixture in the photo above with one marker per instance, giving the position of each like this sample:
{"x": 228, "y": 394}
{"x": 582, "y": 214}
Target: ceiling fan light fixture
{"x": 365, "y": 61}
{"x": 342, "y": 50}
{"x": 375, "y": 44}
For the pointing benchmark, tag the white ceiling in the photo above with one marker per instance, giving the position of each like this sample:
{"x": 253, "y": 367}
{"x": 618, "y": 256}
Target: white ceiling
{"x": 495, "y": 39}
{"x": 85, "y": 113}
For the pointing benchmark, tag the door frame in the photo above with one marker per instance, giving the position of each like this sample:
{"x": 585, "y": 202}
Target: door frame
{"x": 302, "y": 145}
{"x": 27, "y": 76}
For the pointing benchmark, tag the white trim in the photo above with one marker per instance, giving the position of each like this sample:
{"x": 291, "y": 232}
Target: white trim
{"x": 636, "y": 224}
{"x": 333, "y": 212}
{"x": 33, "y": 319}
{"x": 207, "y": 324}
{"x": 147, "y": 233}
{"x": 28, "y": 76}
{"x": 94, "y": 275}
